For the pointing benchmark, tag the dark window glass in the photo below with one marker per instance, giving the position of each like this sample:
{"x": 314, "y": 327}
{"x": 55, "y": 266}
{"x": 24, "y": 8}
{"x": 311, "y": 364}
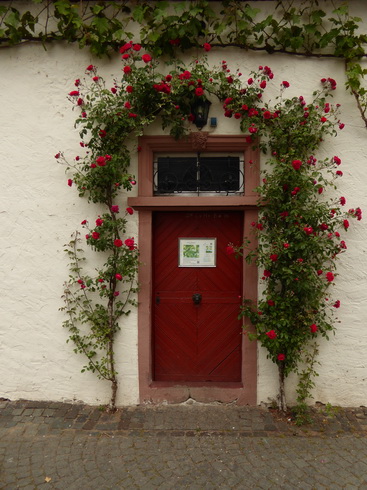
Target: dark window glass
{"x": 198, "y": 174}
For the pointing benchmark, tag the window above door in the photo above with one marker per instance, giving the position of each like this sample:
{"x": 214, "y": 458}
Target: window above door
{"x": 221, "y": 173}
{"x": 198, "y": 174}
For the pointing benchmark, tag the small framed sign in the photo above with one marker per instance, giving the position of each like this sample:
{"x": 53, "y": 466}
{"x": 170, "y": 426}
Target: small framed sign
{"x": 197, "y": 252}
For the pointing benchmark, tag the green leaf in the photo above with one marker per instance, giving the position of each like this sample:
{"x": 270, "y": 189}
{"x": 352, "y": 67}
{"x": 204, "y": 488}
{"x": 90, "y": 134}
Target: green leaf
{"x": 101, "y": 24}
{"x": 12, "y": 19}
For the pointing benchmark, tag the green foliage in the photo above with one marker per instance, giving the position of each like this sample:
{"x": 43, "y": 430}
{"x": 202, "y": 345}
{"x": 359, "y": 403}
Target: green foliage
{"x": 298, "y": 227}
{"x": 165, "y": 27}
{"x": 299, "y": 241}
{"x": 305, "y": 385}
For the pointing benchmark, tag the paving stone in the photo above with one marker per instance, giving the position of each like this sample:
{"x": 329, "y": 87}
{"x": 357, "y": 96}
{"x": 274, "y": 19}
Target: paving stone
{"x": 161, "y": 447}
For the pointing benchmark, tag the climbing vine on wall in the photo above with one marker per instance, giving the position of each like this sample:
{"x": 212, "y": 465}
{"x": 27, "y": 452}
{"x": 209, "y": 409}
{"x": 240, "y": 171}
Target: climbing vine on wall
{"x": 299, "y": 229}
{"x": 295, "y": 27}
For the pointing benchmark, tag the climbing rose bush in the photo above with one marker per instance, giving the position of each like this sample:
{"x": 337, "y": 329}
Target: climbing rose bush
{"x": 300, "y": 222}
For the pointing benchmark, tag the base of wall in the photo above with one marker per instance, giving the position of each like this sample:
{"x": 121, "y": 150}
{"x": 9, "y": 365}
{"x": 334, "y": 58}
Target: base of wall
{"x": 204, "y": 393}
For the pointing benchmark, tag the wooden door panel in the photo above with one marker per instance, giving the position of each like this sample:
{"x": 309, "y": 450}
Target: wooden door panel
{"x": 196, "y": 342}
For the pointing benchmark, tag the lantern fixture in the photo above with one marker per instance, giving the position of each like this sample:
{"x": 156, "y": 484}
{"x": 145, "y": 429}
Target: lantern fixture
{"x": 200, "y": 110}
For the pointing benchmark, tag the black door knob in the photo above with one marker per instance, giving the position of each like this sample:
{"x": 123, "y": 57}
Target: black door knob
{"x": 196, "y": 298}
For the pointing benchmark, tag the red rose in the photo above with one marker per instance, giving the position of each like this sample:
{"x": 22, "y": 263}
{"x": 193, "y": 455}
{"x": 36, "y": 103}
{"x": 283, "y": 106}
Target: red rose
{"x": 323, "y": 119}
{"x": 296, "y": 164}
{"x": 271, "y": 302}
{"x": 129, "y": 242}
{"x": 267, "y": 115}
{"x": 313, "y": 328}
{"x": 230, "y": 250}
{"x": 346, "y": 224}
{"x": 77, "y": 82}
{"x": 343, "y": 245}
{"x": 229, "y": 79}
{"x": 102, "y": 133}
{"x": 57, "y": 155}
{"x": 250, "y": 81}
{"x": 74, "y": 93}
{"x": 266, "y": 273}
{"x": 70, "y": 182}
{"x": 281, "y": 357}
{"x": 130, "y": 89}
{"x": 130, "y": 210}
{"x": 273, "y": 257}
{"x": 263, "y": 84}
{"x": 285, "y": 84}
{"x": 125, "y": 47}
{"x": 199, "y": 92}
{"x": 95, "y": 235}
{"x": 207, "y": 47}
{"x": 90, "y": 68}
{"x": 117, "y": 242}
{"x": 101, "y": 161}
{"x": 271, "y": 334}
{"x": 133, "y": 115}
{"x": 136, "y": 47}
{"x": 319, "y": 272}
{"x": 118, "y": 277}
{"x": 115, "y": 209}
{"x": 95, "y": 79}
{"x": 337, "y": 160}
{"x": 339, "y": 173}
{"x": 127, "y": 105}
{"x": 84, "y": 222}
{"x": 125, "y": 56}
{"x": 127, "y": 69}
{"x": 186, "y": 75}
{"x": 80, "y": 101}
{"x": 146, "y": 58}
{"x": 113, "y": 90}
{"x": 286, "y": 245}
{"x": 341, "y": 126}
{"x": 336, "y": 304}
{"x": 237, "y": 115}
{"x": 330, "y": 277}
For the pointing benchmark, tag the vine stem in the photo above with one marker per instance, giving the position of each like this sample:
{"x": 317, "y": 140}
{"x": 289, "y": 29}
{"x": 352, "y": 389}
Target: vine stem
{"x": 282, "y": 398}
{"x": 360, "y": 108}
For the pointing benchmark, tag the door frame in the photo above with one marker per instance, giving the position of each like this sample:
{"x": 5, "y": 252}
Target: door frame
{"x": 150, "y": 391}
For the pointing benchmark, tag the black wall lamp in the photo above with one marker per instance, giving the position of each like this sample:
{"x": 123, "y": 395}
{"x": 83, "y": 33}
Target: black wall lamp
{"x": 200, "y": 110}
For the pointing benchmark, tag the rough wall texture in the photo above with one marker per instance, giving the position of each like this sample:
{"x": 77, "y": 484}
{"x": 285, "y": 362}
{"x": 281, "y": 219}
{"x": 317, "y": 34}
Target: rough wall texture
{"x": 39, "y": 212}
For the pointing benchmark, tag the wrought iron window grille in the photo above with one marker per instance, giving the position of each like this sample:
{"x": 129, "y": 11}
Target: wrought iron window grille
{"x": 198, "y": 174}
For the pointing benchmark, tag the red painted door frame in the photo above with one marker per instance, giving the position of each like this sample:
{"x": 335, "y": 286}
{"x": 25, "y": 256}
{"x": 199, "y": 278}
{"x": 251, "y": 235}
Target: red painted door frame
{"x": 244, "y": 391}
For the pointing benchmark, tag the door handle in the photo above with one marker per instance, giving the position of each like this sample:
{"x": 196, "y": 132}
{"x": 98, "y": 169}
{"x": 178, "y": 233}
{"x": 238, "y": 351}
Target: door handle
{"x": 196, "y": 298}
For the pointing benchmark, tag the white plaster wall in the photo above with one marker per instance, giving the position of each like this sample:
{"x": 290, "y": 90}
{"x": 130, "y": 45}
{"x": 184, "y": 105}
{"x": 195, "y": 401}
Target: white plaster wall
{"x": 38, "y": 212}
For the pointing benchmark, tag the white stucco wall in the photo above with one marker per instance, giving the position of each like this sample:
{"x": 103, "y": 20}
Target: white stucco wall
{"x": 38, "y": 212}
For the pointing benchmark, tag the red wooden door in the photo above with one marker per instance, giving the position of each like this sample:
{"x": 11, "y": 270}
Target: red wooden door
{"x": 196, "y": 342}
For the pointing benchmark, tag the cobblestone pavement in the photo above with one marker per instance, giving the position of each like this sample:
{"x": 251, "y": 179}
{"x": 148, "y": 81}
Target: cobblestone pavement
{"x": 67, "y": 446}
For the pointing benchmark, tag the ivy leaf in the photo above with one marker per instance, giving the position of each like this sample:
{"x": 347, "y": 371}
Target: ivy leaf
{"x": 12, "y": 19}
{"x": 96, "y": 9}
{"x": 101, "y": 24}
